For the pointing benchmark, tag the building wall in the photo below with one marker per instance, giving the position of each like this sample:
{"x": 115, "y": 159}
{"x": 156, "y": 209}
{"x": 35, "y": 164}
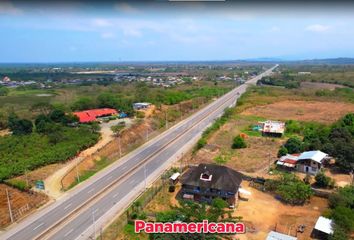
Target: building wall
{"x": 310, "y": 167}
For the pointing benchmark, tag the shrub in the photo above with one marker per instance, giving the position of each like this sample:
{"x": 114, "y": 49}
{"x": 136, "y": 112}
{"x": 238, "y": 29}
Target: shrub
{"x": 282, "y": 151}
{"x": 294, "y": 145}
{"x": 238, "y": 142}
{"x": 140, "y": 114}
{"x": 201, "y": 143}
{"x": 323, "y": 181}
{"x": 172, "y": 188}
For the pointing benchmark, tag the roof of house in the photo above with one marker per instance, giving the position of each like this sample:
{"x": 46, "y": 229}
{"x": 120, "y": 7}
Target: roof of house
{"x": 316, "y": 156}
{"x": 91, "y": 115}
{"x": 279, "y": 236}
{"x": 273, "y": 127}
{"x": 289, "y": 160}
{"x": 324, "y": 225}
{"x": 222, "y": 178}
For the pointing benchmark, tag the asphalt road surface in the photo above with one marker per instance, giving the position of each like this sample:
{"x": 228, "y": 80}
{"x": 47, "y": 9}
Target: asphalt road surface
{"x": 91, "y": 199}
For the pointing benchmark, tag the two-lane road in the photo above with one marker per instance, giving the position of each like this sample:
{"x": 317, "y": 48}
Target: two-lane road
{"x": 74, "y": 214}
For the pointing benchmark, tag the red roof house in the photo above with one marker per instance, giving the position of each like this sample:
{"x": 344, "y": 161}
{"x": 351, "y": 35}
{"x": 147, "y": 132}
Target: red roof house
{"x": 93, "y": 114}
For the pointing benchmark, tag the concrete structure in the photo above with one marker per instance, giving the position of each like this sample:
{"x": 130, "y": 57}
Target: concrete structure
{"x": 309, "y": 162}
{"x": 279, "y": 236}
{"x": 92, "y": 115}
{"x": 323, "y": 228}
{"x": 138, "y": 106}
{"x": 209, "y": 181}
{"x": 272, "y": 128}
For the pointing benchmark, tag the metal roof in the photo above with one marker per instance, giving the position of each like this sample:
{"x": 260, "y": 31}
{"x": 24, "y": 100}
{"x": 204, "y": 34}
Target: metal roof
{"x": 279, "y": 236}
{"x": 324, "y": 225}
{"x": 91, "y": 115}
{"x": 316, "y": 156}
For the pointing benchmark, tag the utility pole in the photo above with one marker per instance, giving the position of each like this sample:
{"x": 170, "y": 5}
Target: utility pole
{"x": 26, "y": 176}
{"x": 120, "y": 147}
{"x": 9, "y": 205}
{"x": 166, "y": 119}
{"x": 77, "y": 173}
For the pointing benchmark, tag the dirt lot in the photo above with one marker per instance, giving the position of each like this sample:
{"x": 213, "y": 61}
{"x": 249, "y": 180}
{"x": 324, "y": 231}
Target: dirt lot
{"x": 253, "y": 159}
{"x": 318, "y": 85}
{"x": 19, "y": 201}
{"x": 263, "y": 213}
{"x": 324, "y": 112}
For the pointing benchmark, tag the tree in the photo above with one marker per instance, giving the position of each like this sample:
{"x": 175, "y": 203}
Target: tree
{"x": 322, "y": 180}
{"x": 4, "y": 91}
{"x": 190, "y": 211}
{"x": 282, "y": 151}
{"x": 338, "y": 234}
{"x": 292, "y": 190}
{"x": 57, "y": 115}
{"x": 239, "y": 142}
{"x": 19, "y": 126}
{"x": 294, "y": 145}
{"x": 83, "y": 103}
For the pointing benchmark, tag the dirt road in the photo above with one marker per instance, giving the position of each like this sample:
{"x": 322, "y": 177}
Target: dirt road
{"x": 53, "y": 182}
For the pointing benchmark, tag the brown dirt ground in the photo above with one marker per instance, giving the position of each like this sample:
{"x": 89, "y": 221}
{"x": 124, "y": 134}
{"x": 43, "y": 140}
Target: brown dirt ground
{"x": 324, "y": 112}
{"x": 318, "y": 85}
{"x": 253, "y": 159}
{"x": 18, "y": 200}
{"x": 262, "y": 213}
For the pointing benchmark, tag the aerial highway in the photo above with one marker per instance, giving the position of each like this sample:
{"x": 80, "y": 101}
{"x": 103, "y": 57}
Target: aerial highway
{"x": 75, "y": 215}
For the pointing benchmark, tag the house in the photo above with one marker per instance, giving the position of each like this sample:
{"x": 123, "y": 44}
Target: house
{"x": 309, "y": 162}
{"x": 279, "y": 236}
{"x": 208, "y": 181}
{"x": 92, "y": 115}
{"x": 138, "y": 106}
{"x": 323, "y": 228}
{"x": 272, "y": 128}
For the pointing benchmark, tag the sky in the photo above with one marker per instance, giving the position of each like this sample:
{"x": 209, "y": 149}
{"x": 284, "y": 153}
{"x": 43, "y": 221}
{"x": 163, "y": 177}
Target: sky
{"x": 67, "y": 31}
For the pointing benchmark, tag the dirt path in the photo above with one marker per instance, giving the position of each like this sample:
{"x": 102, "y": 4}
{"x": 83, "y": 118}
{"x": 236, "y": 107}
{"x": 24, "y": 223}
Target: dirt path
{"x": 53, "y": 182}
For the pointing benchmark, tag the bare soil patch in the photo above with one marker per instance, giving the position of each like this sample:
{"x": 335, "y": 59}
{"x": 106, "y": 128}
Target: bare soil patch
{"x": 318, "y": 85}
{"x": 19, "y": 201}
{"x": 324, "y": 112}
{"x": 263, "y": 213}
{"x": 255, "y": 158}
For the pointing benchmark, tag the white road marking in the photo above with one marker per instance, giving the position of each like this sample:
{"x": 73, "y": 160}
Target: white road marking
{"x": 110, "y": 177}
{"x": 38, "y": 226}
{"x": 132, "y": 181}
{"x": 115, "y": 195}
{"x": 91, "y": 190}
{"x": 66, "y": 234}
{"x": 124, "y": 167}
{"x": 68, "y": 205}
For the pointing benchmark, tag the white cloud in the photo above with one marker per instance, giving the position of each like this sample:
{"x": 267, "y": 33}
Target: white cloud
{"x": 107, "y": 35}
{"x": 274, "y": 29}
{"x": 100, "y": 22}
{"x": 317, "y": 28}
{"x": 7, "y": 7}
{"x": 125, "y": 7}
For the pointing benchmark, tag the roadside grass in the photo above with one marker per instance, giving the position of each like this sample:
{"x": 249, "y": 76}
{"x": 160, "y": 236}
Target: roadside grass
{"x": 99, "y": 165}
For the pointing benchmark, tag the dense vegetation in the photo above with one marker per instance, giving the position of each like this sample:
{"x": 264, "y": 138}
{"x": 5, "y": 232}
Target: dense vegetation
{"x": 143, "y": 93}
{"x": 51, "y": 141}
{"x": 190, "y": 211}
{"x": 289, "y": 188}
{"x": 284, "y": 80}
{"x": 337, "y": 140}
{"x": 342, "y": 212}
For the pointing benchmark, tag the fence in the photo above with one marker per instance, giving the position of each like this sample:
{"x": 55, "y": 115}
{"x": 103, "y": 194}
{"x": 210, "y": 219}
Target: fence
{"x": 114, "y": 229}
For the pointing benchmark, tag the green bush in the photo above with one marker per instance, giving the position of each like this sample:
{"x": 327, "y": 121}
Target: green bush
{"x": 139, "y": 114}
{"x": 323, "y": 181}
{"x": 282, "y": 151}
{"x": 238, "y": 142}
{"x": 294, "y": 145}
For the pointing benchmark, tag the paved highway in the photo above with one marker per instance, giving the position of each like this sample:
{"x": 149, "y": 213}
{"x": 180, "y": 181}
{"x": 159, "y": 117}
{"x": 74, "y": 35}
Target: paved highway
{"x": 69, "y": 217}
